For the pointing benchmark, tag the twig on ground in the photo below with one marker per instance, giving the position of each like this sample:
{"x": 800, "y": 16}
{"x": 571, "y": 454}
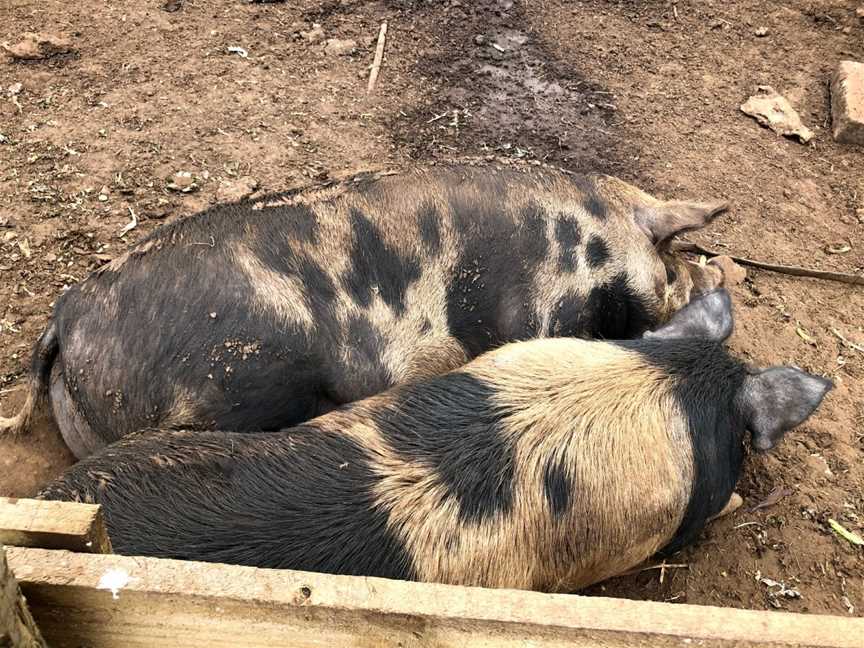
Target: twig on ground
{"x": 379, "y": 56}
{"x": 130, "y": 225}
{"x": 795, "y": 271}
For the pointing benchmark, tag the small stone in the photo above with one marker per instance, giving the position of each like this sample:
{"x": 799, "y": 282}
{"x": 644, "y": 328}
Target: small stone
{"x": 15, "y": 89}
{"x": 212, "y": 315}
{"x": 183, "y": 182}
{"x": 762, "y": 31}
{"x": 860, "y": 12}
{"x": 818, "y": 465}
{"x": 314, "y": 35}
{"x": 479, "y": 39}
{"x": 859, "y": 214}
{"x": 236, "y": 190}
{"x": 340, "y": 47}
{"x": 847, "y": 103}
{"x": 733, "y": 274}
{"x": 34, "y": 46}
{"x": 774, "y": 111}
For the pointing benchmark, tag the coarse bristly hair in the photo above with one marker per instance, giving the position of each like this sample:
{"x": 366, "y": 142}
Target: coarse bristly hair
{"x": 273, "y": 316}
{"x": 548, "y": 465}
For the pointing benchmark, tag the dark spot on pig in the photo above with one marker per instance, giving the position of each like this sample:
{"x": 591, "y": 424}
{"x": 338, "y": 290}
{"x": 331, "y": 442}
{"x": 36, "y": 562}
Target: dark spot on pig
{"x": 593, "y": 203}
{"x": 301, "y": 223}
{"x": 533, "y": 244}
{"x": 595, "y": 207}
{"x": 566, "y": 319}
{"x": 430, "y": 228}
{"x": 597, "y": 252}
{"x": 556, "y": 486}
{"x": 615, "y": 311}
{"x": 478, "y": 471}
{"x": 294, "y": 518}
{"x": 569, "y": 236}
{"x": 376, "y": 264}
{"x": 426, "y": 326}
{"x": 365, "y": 348}
{"x": 706, "y": 380}
{"x": 317, "y": 284}
{"x": 495, "y": 245}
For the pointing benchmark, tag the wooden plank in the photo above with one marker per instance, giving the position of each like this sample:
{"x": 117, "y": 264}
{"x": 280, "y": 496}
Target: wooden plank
{"x": 17, "y": 627}
{"x": 173, "y": 603}
{"x": 53, "y": 525}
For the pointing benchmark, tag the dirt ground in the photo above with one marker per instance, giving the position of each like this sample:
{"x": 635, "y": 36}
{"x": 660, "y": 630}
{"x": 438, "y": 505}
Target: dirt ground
{"x": 643, "y": 89}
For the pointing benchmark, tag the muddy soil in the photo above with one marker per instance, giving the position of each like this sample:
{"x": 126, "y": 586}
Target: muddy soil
{"x": 643, "y": 89}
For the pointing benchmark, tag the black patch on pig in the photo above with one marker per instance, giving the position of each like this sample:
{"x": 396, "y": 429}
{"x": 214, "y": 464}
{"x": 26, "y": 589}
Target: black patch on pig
{"x": 376, "y": 264}
{"x": 567, "y": 318}
{"x": 556, "y": 486}
{"x": 706, "y": 381}
{"x": 318, "y": 286}
{"x": 593, "y": 202}
{"x": 430, "y": 228}
{"x": 615, "y": 311}
{"x": 303, "y": 500}
{"x": 300, "y": 223}
{"x": 426, "y": 326}
{"x": 596, "y": 207}
{"x": 471, "y": 455}
{"x": 365, "y": 348}
{"x": 532, "y": 241}
{"x": 596, "y": 252}
{"x": 569, "y": 237}
{"x": 494, "y": 272}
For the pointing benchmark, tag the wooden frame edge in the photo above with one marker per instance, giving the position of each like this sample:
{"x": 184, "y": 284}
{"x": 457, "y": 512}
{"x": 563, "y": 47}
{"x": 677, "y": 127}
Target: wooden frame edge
{"x": 178, "y": 603}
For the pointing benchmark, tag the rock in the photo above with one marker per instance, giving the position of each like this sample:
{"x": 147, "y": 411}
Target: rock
{"x": 339, "y": 47}
{"x": 761, "y": 32}
{"x": 314, "y": 35}
{"x": 818, "y": 466}
{"x": 15, "y": 89}
{"x": 172, "y": 5}
{"x": 38, "y": 45}
{"x": 860, "y": 12}
{"x": 183, "y": 182}
{"x": 847, "y": 103}
{"x": 733, "y": 274}
{"x": 6, "y": 221}
{"x": 773, "y": 111}
{"x": 236, "y": 190}
{"x": 479, "y": 39}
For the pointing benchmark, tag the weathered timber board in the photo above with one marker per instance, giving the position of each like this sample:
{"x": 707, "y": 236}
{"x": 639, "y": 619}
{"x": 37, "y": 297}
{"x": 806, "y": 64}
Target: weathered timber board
{"x": 17, "y": 627}
{"x": 53, "y": 525}
{"x": 173, "y": 603}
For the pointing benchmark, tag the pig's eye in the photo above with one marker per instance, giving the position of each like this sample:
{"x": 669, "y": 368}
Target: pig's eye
{"x": 671, "y": 275}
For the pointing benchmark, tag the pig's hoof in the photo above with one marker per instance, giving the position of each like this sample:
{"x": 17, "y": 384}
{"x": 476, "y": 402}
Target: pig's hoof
{"x": 734, "y": 503}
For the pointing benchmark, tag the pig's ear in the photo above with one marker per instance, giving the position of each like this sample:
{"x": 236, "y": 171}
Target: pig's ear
{"x": 775, "y": 400}
{"x": 674, "y": 217}
{"x": 708, "y": 317}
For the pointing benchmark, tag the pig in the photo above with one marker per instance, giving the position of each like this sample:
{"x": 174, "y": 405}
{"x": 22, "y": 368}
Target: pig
{"x": 256, "y": 318}
{"x": 549, "y": 464}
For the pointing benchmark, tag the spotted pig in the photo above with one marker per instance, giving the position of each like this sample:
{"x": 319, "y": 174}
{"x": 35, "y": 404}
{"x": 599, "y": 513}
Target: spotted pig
{"x": 258, "y": 319}
{"x": 549, "y": 464}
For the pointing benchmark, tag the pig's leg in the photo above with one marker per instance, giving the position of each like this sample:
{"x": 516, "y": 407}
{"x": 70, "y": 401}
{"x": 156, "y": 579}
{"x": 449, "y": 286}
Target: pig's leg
{"x": 76, "y": 432}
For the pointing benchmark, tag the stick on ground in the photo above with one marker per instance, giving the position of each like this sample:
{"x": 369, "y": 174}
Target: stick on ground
{"x": 795, "y": 271}
{"x": 379, "y": 56}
